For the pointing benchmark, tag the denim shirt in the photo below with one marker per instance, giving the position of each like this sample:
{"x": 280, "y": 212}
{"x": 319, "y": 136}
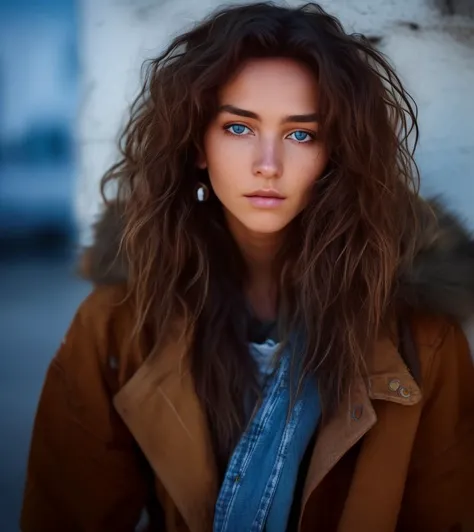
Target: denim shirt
{"x": 257, "y": 492}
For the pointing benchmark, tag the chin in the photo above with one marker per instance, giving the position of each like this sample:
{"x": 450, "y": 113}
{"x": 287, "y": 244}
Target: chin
{"x": 264, "y": 223}
{"x": 265, "y": 227}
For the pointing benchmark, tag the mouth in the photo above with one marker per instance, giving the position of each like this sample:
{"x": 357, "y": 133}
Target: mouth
{"x": 265, "y": 198}
{"x": 265, "y": 193}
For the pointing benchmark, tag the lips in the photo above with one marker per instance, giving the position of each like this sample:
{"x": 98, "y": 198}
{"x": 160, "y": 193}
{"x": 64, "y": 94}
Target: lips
{"x": 273, "y": 194}
{"x": 265, "y": 199}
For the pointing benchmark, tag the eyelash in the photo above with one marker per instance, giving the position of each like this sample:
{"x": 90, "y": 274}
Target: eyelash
{"x": 312, "y": 136}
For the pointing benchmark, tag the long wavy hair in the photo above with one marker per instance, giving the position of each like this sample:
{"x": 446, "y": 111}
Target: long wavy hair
{"x": 338, "y": 269}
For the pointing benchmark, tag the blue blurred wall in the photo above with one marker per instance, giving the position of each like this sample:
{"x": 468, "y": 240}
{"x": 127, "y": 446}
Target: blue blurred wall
{"x": 38, "y": 107}
{"x": 39, "y": 293}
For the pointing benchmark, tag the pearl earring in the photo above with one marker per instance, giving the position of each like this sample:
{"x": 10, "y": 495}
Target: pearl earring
{"x": 202, "y": 192}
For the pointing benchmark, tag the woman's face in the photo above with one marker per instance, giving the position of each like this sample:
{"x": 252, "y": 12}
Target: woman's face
{"x": 262, "y": 150}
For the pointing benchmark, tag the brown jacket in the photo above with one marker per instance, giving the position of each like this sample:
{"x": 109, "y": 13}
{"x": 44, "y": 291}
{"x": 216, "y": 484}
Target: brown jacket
{"x": 397, "y": 456}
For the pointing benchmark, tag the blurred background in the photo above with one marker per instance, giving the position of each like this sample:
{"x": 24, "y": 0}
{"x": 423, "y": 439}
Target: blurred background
{"x": 69, "y": 69}
{"x": 39, "y": 97}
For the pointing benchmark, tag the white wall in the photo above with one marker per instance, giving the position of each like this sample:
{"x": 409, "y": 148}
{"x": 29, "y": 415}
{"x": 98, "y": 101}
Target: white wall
{"x": 436, "y": 61}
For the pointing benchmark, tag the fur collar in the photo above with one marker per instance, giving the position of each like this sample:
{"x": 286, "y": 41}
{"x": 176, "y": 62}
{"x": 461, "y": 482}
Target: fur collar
{"x": 440, "y": 281}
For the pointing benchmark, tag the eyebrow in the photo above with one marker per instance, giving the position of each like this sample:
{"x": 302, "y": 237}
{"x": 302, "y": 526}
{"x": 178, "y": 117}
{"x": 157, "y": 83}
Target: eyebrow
{"x": 304, "y": 118}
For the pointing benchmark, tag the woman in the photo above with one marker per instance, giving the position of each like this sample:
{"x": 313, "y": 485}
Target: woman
{"x": 273, "y": 342}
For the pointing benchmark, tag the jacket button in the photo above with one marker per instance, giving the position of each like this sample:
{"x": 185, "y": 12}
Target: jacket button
{"x": 394, "y": 385}
{"x": 356, "y": 413}
{"x": 403, "y": 392}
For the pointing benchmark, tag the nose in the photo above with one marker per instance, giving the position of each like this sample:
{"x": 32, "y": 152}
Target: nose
{"x": 267, "y": 162}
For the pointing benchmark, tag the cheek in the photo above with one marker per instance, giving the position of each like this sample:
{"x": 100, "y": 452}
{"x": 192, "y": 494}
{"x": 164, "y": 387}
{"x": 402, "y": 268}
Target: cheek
{"x": 310, "y": 167}
{"x": 222, "y": 158}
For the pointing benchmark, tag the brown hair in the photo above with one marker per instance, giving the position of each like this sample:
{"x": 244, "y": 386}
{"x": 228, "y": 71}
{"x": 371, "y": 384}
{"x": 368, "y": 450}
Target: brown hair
{"x": 338, "y": 270}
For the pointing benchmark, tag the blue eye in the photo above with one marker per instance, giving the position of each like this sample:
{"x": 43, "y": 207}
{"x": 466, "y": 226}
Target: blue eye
{"x": 301, "y": 136}
{"x": 237, "y": 129}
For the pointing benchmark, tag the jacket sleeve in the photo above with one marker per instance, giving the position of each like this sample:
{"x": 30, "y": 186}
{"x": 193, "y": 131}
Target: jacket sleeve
{"x": 84, "y": 472}
{"x": 439, "y": 494}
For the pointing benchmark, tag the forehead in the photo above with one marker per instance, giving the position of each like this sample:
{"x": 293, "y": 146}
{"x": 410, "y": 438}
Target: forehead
{"x": 273, "y": 85}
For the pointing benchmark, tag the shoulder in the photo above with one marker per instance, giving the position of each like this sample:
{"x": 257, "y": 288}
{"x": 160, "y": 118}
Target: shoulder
{"x": 105, "y": 302}
{"x": 444, "y": 355}
{"x": 105, "y": 315}
{"x": 434, "y": 334}
{"x": 100, "y": 336}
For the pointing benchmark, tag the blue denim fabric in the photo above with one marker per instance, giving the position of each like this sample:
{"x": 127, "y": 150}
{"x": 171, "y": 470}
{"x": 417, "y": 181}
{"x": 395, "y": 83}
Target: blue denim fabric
{"x": 257, "y": 492}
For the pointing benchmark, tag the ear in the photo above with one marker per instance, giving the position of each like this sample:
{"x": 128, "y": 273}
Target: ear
{"x": 201, "y": 161}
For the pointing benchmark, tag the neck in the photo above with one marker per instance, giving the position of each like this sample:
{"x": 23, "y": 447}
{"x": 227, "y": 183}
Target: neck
{"x": 259, "y": 252}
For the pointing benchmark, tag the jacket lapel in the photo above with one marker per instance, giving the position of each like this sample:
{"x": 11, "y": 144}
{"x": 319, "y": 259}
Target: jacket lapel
{"x": 388, "y": 379}
{"x": 178, "y": 444}
{"x": 161, "y": 409}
